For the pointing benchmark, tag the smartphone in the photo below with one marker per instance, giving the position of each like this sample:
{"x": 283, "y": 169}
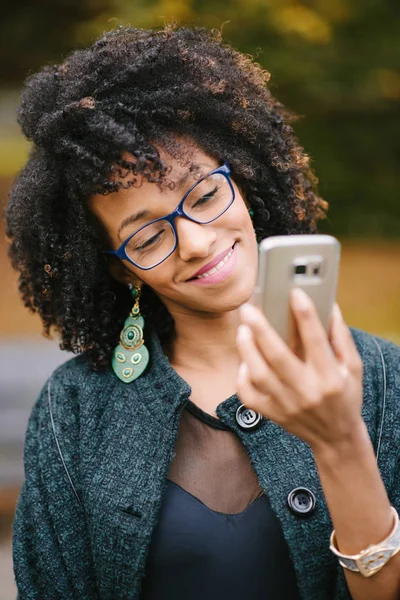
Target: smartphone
{"x": 310, "y": 262}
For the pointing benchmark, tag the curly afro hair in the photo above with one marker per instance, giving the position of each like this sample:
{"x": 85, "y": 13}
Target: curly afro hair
{"x": 131, "y": 91}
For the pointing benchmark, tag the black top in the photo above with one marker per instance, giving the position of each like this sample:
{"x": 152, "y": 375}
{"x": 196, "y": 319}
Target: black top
{"x": 214, "y": 544}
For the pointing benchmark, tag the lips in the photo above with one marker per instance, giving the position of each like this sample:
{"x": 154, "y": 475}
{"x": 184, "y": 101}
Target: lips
{"x": 213, "y": 263}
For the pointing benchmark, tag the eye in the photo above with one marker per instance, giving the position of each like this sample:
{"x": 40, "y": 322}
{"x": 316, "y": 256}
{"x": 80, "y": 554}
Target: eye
{"x": 150, "y": 241}
{"x": 204, "y": 199}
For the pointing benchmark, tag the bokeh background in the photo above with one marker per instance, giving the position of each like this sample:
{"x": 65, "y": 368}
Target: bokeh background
{"x": 336, "y": 64}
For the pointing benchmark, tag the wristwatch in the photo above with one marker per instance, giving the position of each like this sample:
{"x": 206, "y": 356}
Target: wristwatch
{"x": 372, "y": 559}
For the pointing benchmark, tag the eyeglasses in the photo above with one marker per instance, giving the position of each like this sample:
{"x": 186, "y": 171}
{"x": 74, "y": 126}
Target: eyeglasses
{"x": 204, "y": 202}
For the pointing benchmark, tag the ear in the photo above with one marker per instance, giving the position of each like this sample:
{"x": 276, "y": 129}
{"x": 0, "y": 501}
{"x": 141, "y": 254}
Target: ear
{"x": 120, "y": 272}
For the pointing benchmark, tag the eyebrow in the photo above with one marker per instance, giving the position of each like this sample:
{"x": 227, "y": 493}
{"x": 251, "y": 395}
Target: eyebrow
{"x": 145, "y": 213}
{"x": 132, "y": 219}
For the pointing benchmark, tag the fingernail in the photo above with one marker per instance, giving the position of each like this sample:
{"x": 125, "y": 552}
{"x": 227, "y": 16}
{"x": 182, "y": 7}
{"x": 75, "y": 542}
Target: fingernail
{"x": 300, "y": 299}
{"x": 247, "y": 312}
{"x": 337, "y": 311}
{"x": 242, "y": 373}
{"x": 244, "y": 333}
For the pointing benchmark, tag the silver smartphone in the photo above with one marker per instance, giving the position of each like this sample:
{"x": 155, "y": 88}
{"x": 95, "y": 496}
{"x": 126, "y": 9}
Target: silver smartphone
{"x": 310, "y": 262}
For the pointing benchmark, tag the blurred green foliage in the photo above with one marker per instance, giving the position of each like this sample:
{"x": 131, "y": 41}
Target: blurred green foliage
{"x": 335, "y": 63}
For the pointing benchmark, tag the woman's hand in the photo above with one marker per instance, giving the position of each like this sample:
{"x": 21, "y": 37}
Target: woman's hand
{"x": 316, "y": 391}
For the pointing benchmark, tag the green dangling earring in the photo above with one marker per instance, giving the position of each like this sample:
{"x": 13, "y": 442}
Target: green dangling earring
{"x": 131, "y": 357}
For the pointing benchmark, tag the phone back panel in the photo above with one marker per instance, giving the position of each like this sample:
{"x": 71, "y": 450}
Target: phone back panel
{"x": 310, "y": 262}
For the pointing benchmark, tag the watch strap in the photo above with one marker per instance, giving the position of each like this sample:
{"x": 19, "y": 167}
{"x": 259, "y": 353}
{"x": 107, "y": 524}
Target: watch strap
{"x": 372, "y": 559}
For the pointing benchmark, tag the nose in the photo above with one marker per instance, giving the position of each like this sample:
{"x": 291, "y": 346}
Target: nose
{"x": 194, "y": 240}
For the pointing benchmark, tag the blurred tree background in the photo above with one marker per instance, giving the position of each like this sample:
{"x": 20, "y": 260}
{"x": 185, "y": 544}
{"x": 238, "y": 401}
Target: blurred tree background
{"x": 335, "y": 63}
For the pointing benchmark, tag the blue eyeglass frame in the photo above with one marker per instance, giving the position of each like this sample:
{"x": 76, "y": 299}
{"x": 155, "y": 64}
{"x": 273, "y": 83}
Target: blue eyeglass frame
{"x": 178, "y": 212}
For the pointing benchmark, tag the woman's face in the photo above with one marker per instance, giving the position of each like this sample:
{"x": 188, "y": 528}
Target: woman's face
{"x": 230, "y": 236}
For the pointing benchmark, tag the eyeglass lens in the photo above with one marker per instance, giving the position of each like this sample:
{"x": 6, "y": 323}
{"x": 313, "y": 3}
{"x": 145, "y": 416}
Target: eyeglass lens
{"x": 205, "y": 203}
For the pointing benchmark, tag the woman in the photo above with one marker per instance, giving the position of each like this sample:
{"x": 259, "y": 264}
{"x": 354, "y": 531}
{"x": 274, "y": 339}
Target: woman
{"x": 187, "y": 452}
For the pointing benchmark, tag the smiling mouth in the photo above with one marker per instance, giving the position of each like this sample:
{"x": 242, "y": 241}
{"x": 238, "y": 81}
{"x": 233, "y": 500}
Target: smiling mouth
{"x": 216, "y": 268}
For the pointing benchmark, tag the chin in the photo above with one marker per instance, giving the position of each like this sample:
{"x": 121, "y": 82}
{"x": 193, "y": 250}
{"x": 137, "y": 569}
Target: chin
{"x": 231, "y": 298}
{"x": 236, "y": 302}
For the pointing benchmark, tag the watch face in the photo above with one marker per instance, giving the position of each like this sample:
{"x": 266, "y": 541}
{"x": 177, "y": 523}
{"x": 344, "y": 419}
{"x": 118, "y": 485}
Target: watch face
{"x": 370, "y": 561}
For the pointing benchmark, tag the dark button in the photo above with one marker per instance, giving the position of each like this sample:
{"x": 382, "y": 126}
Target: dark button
{"x": 247, "y": 418}
{"x": 301, "y": 502}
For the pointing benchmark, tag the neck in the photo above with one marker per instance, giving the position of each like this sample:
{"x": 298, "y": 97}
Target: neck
{"x": 205, "y": 342}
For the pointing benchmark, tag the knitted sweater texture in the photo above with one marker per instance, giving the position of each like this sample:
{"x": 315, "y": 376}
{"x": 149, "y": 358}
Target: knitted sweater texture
{"x": 97, "y": 454}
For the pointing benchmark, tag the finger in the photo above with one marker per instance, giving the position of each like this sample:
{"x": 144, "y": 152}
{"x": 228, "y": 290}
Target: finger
{"x": 249, "y": 395}
{"x": 342, "y": 341}
{"x": 295, "y": 342}
{"x": 315, "y": 341}
{"x": 259, "y": 373}
{"x": 273, "y": 349}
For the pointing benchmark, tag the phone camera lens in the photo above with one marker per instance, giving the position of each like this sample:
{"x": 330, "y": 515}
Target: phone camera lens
{"x": 300, "y": 269}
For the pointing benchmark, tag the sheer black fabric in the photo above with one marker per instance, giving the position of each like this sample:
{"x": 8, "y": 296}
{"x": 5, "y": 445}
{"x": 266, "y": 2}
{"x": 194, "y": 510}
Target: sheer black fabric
{"x": 211, "y": 463}
{"x": 217, "y": 536}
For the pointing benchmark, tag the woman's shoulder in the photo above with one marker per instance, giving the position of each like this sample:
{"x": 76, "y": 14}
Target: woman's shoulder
{"x": 74, "y": 369}
{"x": 70, "y": 389}
{"x": 380, "y": 357}
{"x": 77, "y": 376}
{"x": 381, "y": 406}
{"x": 367, "y": 343}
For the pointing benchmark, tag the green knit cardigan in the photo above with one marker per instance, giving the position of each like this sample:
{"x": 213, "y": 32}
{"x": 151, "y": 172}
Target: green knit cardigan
{"x": 97, "y": 454}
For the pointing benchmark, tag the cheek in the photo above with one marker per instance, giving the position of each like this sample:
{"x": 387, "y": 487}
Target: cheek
{"x": 160, "y": 278}
{"x": 240, "y": 213}
{"x": 242, "y": 221}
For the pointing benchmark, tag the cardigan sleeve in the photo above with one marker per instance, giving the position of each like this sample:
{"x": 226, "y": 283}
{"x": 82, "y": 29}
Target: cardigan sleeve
{"x": 51, "y": 549}
{"x": 384, "y": 362}
{"x": 389, "y": 459}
